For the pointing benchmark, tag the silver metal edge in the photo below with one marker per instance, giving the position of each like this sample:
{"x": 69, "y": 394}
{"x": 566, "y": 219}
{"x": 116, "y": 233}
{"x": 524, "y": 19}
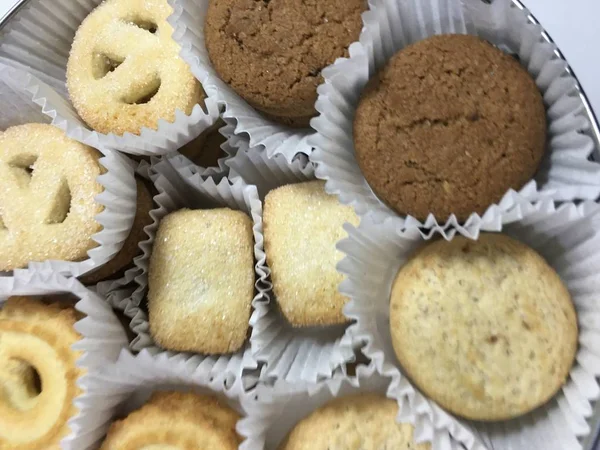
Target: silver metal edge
{"x": 593, "y": 439}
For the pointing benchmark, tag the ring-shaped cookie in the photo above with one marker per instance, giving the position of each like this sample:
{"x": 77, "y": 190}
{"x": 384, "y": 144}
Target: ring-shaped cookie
{"x": 124, "y": 71}
{"x": 36, "y": 336}
{"x": 47, "y": 196}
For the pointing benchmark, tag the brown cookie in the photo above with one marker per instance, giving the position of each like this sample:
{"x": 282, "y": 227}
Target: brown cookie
{"x": 206, "y": 150}
{"x": 272, "y": 52}
{"x": 130, "y": 247}
{"x": 448, "y": 126}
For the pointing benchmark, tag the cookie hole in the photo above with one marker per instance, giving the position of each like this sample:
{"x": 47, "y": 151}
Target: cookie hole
{"x": 147, "y": 25}
{"x": 492, "y": 339}
{"x": 103, "y": 64}
{"x": 2, "y": 226}
{"x": 61, "y": 205}
{"x": 143, "y": 96}
{"x": 22, "y": 166}
{"x": 20, "y": 384}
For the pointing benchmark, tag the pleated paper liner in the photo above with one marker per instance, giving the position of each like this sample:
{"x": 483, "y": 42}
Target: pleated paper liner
{"x": 568, "y": 237}
{"x": 273, "y": 412}
{"x": 102, "y": 340}
{"x": 39, "y": 38}
{"x": 129, "y": 384}
{"x": 566, "y": 173}
{"x": 188, "y": 22}
{"x": 173, "y": 194}
{"x": 118, "y": 197}
{"x": 288, "y": 353}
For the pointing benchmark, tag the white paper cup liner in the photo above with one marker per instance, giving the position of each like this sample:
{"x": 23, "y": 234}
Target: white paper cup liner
{"x": 173, "y": 194}
{"x": 102, "y": 340}
{"x": 288, "y": 353}
{"x": 188, "y": 22}
{"x": 129, "y": 384}
{"x": 274, "y": 412}
{"x": 118, "y": 197}
{"x": 39, "y": 39}
{"x": 566, "y": 172}
{"x": 188, "y": 168}
{"x": 568, "y": 237}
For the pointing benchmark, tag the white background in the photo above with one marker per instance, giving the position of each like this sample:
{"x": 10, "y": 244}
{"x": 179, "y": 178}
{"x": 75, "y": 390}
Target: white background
{"x": 573, "y": 24}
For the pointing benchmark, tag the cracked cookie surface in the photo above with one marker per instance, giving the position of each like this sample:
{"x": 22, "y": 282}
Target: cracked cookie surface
{"x": 448, "y": 126}
{"x": 271, "y": 52}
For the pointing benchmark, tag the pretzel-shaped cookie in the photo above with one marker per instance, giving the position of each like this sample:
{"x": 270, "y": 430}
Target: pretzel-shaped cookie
{"x": 47, "y": 189}
{"x": 124, "y": 71}
{"x": 35, "y": 337}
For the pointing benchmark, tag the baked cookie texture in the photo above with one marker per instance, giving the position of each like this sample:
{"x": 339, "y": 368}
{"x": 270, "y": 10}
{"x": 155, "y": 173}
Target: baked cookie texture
{"x": 448, "y": 126}
{"x": 36, "y": 340}
{"x": 176, "y": 420}
{"x": 47, "y": 196}
{"x": 271, "y": 52}
{"x": 130, "y": 247}
{"x": 365, "y": 421}
{"x": 302, "y": 224}
{"x": 485, "y": 328}
{"x": 124, "y": 71}
{"x": 201, "y": 281}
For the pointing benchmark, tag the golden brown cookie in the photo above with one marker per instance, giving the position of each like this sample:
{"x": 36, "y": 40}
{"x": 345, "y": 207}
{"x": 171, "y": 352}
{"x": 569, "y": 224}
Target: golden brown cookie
{"x": 47, "y": 196}
{"x": 365, "y": 421}
{"x": 448, "y": 126}
{"x": 124, "y": 71}
{"x": 182, "y": 420}
{"x": 206, "y": 150}
{"x": 130, "y": 247}
{"x": 38, "y": 373}
{"x": 302, "y": 224}
{"x": 201, "y": 281}
{"x": 485, "y": 328}
{"x": 271, "y": 52}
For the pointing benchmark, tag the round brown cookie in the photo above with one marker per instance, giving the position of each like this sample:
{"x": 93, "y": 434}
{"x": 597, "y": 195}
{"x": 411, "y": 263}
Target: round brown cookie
{"x": 206, "y": 149}
{"x": 272, "y": 52}
{"x": 130, "y": 247}
{"x": 357, "y": 421}
{"x": 448, "y": 126}
{"x": 485, "y": 328}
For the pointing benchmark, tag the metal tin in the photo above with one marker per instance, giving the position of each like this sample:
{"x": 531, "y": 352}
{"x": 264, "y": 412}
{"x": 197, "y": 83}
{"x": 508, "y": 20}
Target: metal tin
{"x": 592, "y": 441}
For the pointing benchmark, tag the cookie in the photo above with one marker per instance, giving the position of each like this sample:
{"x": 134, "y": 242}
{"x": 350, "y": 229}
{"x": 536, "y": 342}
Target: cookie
{"x": 201, "y": 281}
{"x": 206, "y": 150}
{"x": 47, "y": 196}
{"x": 130, "y": 247}
{"x": 124, "y": 71}
{"x": 271, "y": 53}
{"x": 38, "y": 373}
{"x": 354, "y": 422}
{"x": 176, "y": 420}
{"x": 302, "y": 224}
{"x": 485, "y": 328}
{"x": 448, "y": 126}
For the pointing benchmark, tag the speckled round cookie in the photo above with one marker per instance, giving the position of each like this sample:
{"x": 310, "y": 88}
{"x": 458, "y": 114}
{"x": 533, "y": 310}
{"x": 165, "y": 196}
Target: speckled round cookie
{"x": 448, "y": 126}
{"x": 272, "y": 52}
{"x": 485, "y": 328}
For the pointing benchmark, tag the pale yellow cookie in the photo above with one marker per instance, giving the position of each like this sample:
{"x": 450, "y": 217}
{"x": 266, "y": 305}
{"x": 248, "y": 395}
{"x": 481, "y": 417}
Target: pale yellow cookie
{"x": 201, "y": 281}
{"x": 302, "y": 225}
{"x": 124, "y": 71}
{"x": 176, "y": 420}
{"x": 357, "y": 422}
{"x": 485, "y": 328}
{"x": 36, "y": 340}
{"x": 47, "y": 196}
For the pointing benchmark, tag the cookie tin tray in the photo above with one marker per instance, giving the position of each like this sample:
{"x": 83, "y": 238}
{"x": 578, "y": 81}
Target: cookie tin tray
{"x": 592, "y": 441}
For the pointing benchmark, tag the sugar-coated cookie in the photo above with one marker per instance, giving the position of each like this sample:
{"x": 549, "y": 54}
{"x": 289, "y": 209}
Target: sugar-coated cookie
{"x": 47, "y": 196}
{"x": 271, "y": 52}
{"x": 364, "y": 421}
{"x": 201, "y": 280}
{"x": 124, "y": 71}
{"x": 302, "y": 224}
{"x": 448, "y": 126}
{"x": 485, "y": 328}
{"x": 38, "y": 373}
{"x": 171, "y": 420}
